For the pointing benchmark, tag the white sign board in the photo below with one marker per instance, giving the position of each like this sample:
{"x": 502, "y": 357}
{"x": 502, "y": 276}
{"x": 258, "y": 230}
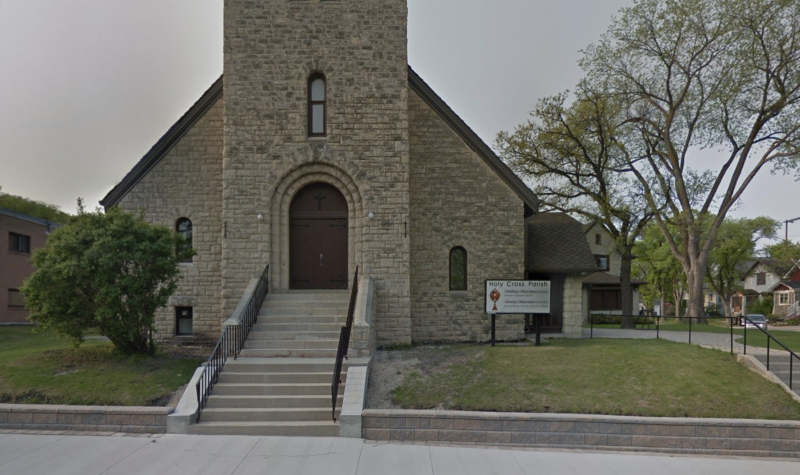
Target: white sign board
{"x": 517, "y": 296}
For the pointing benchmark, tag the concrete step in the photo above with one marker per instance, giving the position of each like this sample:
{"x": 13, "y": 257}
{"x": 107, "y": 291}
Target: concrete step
{"x": 307, "y": 304}
{"x": 329, "y": 296}
{"x": 288, "y": 389}
{"x": 228, "y": 377}
{"x": 292, "y": 344}
{"x": 289, "y": 428}
{"x": 289, "y": 365}
{"x": 264, "y": 402}
{"x": 249, "y": 352}
{"x": 268, "y": 415}
{"x": 283, "y": 311}
{"x": 297, "y": 327}
{"x": 305, "y": 319}
{"x": 263, "y": 335}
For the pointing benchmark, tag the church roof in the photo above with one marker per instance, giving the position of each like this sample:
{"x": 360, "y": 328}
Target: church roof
{"x": 185, "y": 123}
{"x": 556, "y": 244}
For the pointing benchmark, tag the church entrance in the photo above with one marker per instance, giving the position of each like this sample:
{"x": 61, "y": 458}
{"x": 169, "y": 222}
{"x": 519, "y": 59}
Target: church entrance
{"x": 318, "y": 238}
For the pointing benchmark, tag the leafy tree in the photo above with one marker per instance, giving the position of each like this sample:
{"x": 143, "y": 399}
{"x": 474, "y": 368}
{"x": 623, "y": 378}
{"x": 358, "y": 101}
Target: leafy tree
{"x": 106, "y": 271}
{"x": 701, "y": 74}
{"x": 786, "y": 253}
{"x": 37, "y": 209}
{"x": 570, "y": 155}
{"x": 735, "y": 244}
{"x": 659, "y": 267}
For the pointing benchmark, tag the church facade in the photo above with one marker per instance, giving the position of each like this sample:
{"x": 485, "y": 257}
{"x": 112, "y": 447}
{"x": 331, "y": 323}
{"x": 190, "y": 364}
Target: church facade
{"x": 319, "y": 150}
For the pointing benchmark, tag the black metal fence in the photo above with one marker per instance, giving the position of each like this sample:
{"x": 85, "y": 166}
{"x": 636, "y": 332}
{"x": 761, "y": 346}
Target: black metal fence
{"x": 231, "y": 342}
{"x": 344, "y": 346}
{"x": 650, "y": 322}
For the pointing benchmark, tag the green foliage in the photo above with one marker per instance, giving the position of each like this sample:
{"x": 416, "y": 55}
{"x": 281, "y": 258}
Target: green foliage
{"x": 786, "y": 253}
{"x": 763, "y": 305}
{"x": 105, "y": 271}
{"x": 37, "y": 209}
{"x": 659, "y": 267}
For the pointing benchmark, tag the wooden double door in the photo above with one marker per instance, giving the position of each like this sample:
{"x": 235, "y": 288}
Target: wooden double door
{"x": 318, "y": 231}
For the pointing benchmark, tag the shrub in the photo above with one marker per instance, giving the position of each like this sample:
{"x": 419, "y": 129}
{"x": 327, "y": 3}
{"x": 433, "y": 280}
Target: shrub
{"x": 106, "y": 271}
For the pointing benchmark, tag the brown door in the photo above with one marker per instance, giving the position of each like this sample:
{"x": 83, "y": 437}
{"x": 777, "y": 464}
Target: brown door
{"x": 318, "y": 239}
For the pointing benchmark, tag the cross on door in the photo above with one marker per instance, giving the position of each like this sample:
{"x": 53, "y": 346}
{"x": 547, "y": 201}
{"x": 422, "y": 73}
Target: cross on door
{"x": 319, "y": 199}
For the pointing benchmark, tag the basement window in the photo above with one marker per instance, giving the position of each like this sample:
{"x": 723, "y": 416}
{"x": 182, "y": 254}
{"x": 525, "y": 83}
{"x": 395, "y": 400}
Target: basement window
{"x": 184, "y": 324}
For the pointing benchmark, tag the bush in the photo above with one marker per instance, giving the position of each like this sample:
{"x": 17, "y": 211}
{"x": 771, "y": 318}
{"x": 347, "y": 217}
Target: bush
{"x": 105, "y": 271}
{"x": 763, "y": 305}
{"x": 714, "y": 310}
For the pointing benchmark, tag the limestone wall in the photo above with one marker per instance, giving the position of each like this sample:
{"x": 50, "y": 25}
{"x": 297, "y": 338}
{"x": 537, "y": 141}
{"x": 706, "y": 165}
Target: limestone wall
{"x": 457, "y": 200}
{"x": 573, "y": 305}
{"x": 187, "y": 182}
{"x": 271, "y": 48}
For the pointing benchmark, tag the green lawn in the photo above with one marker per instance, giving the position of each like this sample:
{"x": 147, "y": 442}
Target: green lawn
{"x": 601, "y": 376}
{"x": 44, "y": 369}
{"x": 754, "y": 336}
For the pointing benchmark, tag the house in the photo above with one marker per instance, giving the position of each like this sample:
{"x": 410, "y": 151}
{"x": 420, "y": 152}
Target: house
{"x": 320, "y": 150}
{"x": 602, "y": 291}
{"x": 766, "y": 276}
{"x": 21, "y": 234}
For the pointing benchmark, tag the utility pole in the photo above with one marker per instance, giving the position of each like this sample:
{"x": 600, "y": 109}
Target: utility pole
{"x": 787, "y": 226}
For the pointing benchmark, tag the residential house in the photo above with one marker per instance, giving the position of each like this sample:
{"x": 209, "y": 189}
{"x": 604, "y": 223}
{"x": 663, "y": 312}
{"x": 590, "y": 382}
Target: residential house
{"x": 602, "y": 292}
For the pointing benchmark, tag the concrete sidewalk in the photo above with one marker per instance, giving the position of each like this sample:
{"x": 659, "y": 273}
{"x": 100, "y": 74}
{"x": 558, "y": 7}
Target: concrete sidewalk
{"x": 225, "y": 455}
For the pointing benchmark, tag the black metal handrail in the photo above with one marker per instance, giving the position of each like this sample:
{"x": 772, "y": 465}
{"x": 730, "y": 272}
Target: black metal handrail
{"x": 231, "y": 342}
{"x": 743, "y": 319}
{"x": 792, "y": 354}
{"x": 344, "y": 346}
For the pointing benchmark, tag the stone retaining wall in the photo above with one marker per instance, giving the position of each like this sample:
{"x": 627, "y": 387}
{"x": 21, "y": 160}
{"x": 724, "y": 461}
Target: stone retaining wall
{"x": 139, "y": 420}
{"x": 701, "y": 436}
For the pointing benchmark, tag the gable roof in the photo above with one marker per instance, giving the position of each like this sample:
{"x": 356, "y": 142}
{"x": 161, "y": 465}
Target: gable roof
{"x": 473, "y": 141}
{"x": 773, "y": 265}
{"x": 177, "y": 131}
{"x": 556, "y": 244}
{"x": 164, "y": 145}
{"x": 789, "y": 284}
{"x": 28, "y": 218}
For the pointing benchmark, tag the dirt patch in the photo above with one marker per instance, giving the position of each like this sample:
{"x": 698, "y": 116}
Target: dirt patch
{"x": 390, "y": 367}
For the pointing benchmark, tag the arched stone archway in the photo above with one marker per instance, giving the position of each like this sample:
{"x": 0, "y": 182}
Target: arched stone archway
{"x": 284, "y": 193}
{"x": 318, "y": 238}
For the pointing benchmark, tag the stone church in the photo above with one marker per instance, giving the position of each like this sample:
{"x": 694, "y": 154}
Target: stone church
{"x": 319, "y": 150}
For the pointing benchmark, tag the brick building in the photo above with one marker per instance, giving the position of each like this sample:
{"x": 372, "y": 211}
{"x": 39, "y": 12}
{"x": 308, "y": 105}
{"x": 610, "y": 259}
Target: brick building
{"x": 319, "y": 150}
{"x": 21, "y": 235}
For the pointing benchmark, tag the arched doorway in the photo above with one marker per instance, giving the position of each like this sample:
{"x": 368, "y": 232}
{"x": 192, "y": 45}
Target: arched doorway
{"x": 318, "y": 238}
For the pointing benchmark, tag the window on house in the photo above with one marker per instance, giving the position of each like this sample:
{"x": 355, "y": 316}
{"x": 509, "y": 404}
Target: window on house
{"x": 602, "y": 261}
{"x": 15, "y": 299}
{"x": 19, "y": 243}
{"x": 783, "y": 298}
{"x": 605, "y": 300}
{"x": 761, "y": 278}
{"x": 458, "y": 269}
{"x": 597, "y": 239}
{"x": 183, "y": 321}
{"x": 317, "y": 120}
{"x": 184, "y": 227}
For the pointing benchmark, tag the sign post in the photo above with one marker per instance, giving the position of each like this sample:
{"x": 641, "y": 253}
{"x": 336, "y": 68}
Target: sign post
{"x": 514, "y": 297}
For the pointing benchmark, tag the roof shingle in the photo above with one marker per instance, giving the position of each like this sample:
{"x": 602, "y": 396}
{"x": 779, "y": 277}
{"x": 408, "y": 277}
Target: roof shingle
{"x": 557, "y": 244}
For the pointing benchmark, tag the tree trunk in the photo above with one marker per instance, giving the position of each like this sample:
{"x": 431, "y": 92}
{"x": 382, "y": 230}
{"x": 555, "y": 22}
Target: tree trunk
{"x": 626, "y": 290}
{"x": 663, "y": 302}
{"x": 727, "y": 310}
{"x": 695, "y": 280}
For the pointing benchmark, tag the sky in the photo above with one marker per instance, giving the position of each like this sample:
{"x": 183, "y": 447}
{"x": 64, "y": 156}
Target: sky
{"x": 88, "y": 86}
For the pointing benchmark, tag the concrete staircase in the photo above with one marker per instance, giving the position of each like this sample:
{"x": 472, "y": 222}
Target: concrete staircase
{"x": 281, "y": 382}
{"x": 779, "y": 366}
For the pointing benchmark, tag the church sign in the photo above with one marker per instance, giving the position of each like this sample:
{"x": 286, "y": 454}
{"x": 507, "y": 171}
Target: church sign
{"x": 517, "y": 296}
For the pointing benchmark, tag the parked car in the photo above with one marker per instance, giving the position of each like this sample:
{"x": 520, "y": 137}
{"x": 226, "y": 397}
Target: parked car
{"x": 754, "y": 320}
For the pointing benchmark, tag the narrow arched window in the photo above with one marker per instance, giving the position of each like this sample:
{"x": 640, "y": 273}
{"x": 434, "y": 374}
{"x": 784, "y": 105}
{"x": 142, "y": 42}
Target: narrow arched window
{"x": 458, "y": 268}
{"x": 317, "y": 121}
{"x": 184, "y": 227}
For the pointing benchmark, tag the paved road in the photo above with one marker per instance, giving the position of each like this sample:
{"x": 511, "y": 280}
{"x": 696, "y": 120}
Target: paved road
{"x": 229, "y": 455}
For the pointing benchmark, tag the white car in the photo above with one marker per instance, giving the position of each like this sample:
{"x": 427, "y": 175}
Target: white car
{"x": 754, "y": 320}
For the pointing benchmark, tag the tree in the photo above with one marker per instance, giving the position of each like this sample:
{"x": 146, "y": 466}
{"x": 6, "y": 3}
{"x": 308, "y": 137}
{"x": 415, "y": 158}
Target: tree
{"x": 659, "y": 267}
{"x": 701, "y": 74}
{"x": 569, "y": 154}
{"x": 106, "y": 271}
{"x": 734, "y": 247}
{"x": 37, "y": 209}
{"x": 786, "y": 253}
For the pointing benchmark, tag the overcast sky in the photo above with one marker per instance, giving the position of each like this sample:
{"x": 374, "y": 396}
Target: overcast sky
{"x": 88, "y": 86}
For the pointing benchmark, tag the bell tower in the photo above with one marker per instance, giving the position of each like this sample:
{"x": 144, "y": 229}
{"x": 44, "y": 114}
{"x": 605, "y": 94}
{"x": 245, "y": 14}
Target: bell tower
{"x": 318, "y": 88}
